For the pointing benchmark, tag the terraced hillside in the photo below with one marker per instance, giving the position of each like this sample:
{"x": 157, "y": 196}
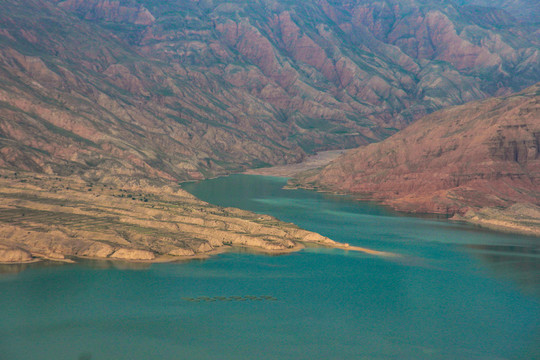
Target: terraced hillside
{"x": 60, "y": 218}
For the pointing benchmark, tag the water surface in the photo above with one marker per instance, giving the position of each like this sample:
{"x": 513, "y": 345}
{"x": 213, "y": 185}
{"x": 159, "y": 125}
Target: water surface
{"x": 457, "y": 292}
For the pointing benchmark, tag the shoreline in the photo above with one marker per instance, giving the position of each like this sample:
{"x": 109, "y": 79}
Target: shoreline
{"x": 482, "y": 218}
{"x": 163, "y": 259}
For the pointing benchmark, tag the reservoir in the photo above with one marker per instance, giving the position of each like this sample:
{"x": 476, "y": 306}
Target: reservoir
{"x": 455, "y": 292}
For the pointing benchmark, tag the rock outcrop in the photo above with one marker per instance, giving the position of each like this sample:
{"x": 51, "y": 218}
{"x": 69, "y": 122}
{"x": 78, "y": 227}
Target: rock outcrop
{"x": 132, "y": 254}
{"x": 466, "y": 158}
{"x": 14, "y": 255}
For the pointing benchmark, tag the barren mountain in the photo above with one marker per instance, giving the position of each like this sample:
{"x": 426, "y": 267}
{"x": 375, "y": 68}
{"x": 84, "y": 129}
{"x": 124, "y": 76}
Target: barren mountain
{"x": 474, "y": 160}
{"x": 187, "y": 89}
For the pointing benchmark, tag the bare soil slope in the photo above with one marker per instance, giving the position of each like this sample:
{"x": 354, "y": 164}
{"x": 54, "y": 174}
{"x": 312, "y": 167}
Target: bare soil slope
{"x": 456, "y": 161}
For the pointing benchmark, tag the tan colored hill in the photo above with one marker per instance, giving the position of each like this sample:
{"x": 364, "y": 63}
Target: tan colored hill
{"x": 64, "y": 218}
{"x": 480, "y": 160}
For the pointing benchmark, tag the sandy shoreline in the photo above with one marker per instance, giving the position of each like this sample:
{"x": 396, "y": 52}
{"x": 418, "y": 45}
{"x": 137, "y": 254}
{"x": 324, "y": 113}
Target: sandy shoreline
{"x": 312, "y": 162}
{"x": 159, "y": 259}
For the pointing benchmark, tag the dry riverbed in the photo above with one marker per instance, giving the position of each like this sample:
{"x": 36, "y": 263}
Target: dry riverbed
{"x": 312, "y": 162}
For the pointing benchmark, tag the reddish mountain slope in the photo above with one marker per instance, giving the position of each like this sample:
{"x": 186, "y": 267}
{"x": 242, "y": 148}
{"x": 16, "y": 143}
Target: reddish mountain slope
{"x": 482, "y": 154}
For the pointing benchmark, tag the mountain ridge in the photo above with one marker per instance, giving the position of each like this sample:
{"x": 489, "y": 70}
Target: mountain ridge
{"x": 188, "y": 90}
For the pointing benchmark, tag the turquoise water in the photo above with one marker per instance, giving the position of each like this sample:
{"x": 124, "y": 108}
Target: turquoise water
{"x": 456, "y": 293}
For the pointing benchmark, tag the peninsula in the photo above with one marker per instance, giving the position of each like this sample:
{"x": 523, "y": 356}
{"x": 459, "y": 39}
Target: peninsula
{"x": 63, "y": 218}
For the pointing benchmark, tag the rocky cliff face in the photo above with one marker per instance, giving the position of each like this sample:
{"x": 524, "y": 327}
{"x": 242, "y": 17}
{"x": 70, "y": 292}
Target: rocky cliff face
{"x": 482, "y": 154}
{"x": 188, "y": 89}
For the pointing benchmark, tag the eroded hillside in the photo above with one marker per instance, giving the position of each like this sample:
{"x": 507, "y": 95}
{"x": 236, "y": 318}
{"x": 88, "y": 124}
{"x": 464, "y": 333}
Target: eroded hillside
{"x": 60, "y": 218}
{"x": 190, "y": 89}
